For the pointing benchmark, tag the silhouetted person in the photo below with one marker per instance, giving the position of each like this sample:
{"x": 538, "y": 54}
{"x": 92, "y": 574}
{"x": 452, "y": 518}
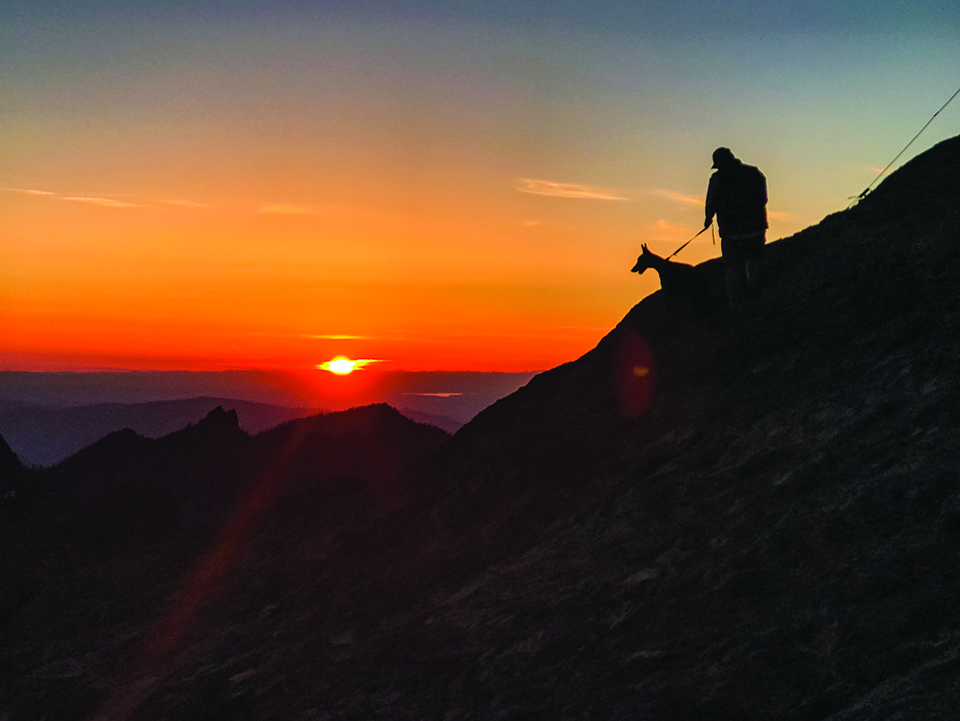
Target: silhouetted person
{"x": 737, "y": 195}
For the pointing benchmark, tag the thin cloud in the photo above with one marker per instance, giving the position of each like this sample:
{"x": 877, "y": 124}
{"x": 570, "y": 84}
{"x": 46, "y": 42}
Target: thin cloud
{"x": 697, "y": 200}
{"x": 665, "y": 226}
{"x": 190, "y": 204}
{"x": 545, "y": 226}
{"x": 285, "y": 210}
{"x": 433, "y": 395}
{"x": 566, "y": 190}
{"x": 103, "y": 202}
{"x": 336, "y": 337}
{"x": 664, "y": 231}
{"x": 779, "y": 215}
{"x": 93, "y": 200}
{"x": 27, "y": 191}
{"x": 111, "y": 202}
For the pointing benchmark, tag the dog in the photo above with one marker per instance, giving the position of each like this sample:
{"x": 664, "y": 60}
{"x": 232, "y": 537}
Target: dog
{"x": 675, "y": 278}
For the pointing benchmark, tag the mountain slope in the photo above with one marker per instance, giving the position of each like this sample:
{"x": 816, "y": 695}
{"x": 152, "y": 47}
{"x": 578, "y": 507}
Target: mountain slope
{"x": 842, "y": 300}
{"x": 775, "y": 536}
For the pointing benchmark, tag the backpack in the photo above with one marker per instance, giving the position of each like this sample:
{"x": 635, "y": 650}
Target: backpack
{"x": 747, "y": 193}
{"x": 745, "y": 198}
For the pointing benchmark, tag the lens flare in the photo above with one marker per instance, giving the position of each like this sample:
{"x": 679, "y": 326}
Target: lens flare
{"x": 635, "y": 374}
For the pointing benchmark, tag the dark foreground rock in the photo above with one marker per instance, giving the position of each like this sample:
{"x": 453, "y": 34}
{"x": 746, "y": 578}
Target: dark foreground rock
{"x": 775, "y": 535}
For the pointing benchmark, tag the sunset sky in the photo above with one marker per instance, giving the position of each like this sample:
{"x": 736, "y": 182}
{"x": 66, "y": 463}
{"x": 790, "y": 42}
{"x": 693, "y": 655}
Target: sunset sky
{"x": 431, "y": 185}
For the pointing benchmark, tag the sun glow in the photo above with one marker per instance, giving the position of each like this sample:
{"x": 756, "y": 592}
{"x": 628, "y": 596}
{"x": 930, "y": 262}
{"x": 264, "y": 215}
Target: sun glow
{"x": 344, "y": 366}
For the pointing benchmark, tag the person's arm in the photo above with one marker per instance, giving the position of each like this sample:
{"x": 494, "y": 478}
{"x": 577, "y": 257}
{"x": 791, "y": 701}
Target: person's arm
{"x": 710, "y": 208}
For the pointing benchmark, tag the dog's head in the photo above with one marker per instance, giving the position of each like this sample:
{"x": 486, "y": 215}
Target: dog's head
{"x": 643, "y": 262}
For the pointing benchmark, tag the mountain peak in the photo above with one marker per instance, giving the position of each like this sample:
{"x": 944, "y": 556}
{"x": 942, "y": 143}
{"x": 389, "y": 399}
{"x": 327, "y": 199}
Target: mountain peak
{"x": 219, "y": 426}
{"x": 10, "y": 466}
{"x": 221, "y": 418}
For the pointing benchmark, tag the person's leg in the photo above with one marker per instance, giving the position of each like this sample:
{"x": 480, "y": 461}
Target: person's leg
{"x": 754, "y": 273}
{"x": 754, "y": 265}
{"x": 736, "y": 280}
{"x": 736, "y": 266}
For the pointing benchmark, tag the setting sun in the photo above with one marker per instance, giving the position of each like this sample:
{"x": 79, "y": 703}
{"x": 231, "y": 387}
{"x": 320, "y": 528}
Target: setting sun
{"x": 340, "y": 366}
{"x": 343, "y": 366}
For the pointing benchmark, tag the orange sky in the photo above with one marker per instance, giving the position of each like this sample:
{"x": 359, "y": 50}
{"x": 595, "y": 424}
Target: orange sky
{"x": 438, "y": 193}
{"x": 144, "y": 283}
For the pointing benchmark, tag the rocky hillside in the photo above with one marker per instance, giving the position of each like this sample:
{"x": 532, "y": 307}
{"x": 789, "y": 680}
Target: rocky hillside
{"x": 776, "y": 535}
{"x": 713, "y": 517}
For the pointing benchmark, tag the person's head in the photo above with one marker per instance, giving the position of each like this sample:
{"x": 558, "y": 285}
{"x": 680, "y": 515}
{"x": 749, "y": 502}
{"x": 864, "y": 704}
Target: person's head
{"x": 723, "y": 157}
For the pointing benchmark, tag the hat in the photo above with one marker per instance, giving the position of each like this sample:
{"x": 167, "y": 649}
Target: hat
{"x": 721, "y": 156}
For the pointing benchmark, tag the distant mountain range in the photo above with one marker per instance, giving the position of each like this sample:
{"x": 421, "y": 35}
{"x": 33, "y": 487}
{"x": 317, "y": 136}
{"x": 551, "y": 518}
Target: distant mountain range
{"x": 457, "y": 394}
{"x": 45, "y": 417}
{"x": 710, "y": 515}
{"x": 43, "y": 435}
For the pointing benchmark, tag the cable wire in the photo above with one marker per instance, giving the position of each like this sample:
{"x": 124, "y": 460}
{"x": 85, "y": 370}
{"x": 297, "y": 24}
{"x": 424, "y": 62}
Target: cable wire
{"x": 868, "y": 188}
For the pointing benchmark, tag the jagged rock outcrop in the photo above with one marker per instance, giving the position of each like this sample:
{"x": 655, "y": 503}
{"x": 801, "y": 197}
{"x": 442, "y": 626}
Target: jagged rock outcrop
{"x": 11, "y": 472}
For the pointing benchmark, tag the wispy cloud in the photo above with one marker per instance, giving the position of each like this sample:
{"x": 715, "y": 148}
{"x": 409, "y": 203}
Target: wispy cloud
{"x": 104, "y": 202}
{"x": 665, "y": 227}
{"x": 27, "y": 191}
{"x": 545, "y": 226}
{"x": 191, "y": 204}
{"x": 335, "y": 336}
{"x": 285, "y": 210}
{"x": 433, "y": 395}
{"x": 111, "y": 201}
{"x": 697, "y": 200}
{"x": 119, "y": 201}
{"x": 779, "y": 215}
{"x": 663, "y": 231}
{"x": 566, "y": 190}
{"x": 90, "y": 199}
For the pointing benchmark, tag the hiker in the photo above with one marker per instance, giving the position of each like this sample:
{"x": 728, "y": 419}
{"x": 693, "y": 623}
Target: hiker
{"x": 737, "y": 195}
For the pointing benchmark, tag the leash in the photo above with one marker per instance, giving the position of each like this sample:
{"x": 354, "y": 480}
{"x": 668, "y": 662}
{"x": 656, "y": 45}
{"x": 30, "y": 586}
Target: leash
{"x": 690, "y": 241}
